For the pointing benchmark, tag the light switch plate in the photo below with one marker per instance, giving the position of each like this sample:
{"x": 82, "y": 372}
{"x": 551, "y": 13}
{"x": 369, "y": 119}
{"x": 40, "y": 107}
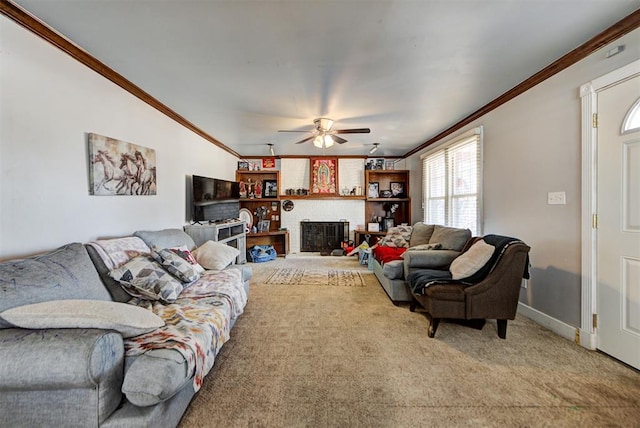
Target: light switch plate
{"x": 556, "y": 198}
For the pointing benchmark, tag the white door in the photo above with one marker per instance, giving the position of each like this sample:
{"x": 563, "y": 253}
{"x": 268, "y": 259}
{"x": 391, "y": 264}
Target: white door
{"x": 618, "y": 232}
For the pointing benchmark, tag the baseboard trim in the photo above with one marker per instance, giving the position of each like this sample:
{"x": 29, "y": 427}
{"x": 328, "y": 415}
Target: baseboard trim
{"x": 560, "y": 328}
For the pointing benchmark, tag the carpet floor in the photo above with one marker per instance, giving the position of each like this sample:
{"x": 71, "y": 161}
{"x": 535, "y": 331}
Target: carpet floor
{"x": 305, "y": 355}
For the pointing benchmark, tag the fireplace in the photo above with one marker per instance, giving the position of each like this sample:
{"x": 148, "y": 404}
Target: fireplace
{"x": 322, "y": 235}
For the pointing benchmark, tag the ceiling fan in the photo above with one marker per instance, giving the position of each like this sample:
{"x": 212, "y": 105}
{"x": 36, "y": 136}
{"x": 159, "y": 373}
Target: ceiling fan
{"x": 324, "y": 137}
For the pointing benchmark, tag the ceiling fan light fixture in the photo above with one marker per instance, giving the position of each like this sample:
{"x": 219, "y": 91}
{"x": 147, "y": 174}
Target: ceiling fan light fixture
{"x": 273, "y": 153}
{"x": 328, "y": 141}
{"x": 318, "y": 141}
{"x": 323, "y": 123}
{"x": 374, "y": 148}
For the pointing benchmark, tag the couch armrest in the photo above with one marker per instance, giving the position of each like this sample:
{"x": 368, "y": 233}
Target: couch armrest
{"x": 59, "y": 358}
{"x": 428, "y": 259}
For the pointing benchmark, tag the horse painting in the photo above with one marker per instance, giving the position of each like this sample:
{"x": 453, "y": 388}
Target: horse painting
{"x": 134, "y": 174}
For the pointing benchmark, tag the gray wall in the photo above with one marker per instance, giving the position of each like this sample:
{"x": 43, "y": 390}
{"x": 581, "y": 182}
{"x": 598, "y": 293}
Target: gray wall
{"x": 532, "y": 145}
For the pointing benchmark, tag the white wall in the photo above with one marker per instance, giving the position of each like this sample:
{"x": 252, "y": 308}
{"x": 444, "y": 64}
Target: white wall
{"x": 294, "y": 174}
{"x": 532, "y": 146}
{"x": 49, "y": 102}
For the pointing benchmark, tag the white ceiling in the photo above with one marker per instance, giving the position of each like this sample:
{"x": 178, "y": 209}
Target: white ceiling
{"x": 242, "y": 70}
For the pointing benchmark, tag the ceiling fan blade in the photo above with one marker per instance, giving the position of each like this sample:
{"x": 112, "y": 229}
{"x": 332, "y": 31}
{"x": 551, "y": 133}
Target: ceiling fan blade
{"x": 289, "y": 130}
{"x": 338, "y": 140}
{"x": 352, "y": 131}
{"x": 306, "y": 139}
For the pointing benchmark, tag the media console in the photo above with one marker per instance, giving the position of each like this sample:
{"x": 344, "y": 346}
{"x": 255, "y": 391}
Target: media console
{"x": 230, "y": 232}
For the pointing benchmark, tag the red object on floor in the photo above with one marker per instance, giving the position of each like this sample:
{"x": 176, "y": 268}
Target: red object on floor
{"x": 386, "y": 254}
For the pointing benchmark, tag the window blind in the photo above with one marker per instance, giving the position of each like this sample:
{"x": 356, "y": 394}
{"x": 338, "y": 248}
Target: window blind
{"x": 452, "y": 183}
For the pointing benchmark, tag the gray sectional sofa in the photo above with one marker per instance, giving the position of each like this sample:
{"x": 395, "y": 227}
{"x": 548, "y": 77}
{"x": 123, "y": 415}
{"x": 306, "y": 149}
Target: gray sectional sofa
{"x": 428, "y": 247}
{"x": 81, "y": 377}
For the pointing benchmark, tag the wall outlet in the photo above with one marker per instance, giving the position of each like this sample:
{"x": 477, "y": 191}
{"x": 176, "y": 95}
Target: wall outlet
{"x": 556, "y": 198}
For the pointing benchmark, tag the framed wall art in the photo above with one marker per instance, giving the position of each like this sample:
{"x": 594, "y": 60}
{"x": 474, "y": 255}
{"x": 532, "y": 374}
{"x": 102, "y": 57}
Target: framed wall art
{"x": 270, "y": 189}
{"x": 324, "y": 176}
{"x": 374, "y": 190}
{"x": 120, "y": 168}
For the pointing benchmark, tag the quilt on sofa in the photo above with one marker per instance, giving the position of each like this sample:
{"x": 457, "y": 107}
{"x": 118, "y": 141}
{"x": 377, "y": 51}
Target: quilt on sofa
{"x": 196, "y": 322}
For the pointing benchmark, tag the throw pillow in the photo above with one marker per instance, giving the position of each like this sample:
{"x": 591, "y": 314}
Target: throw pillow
{"x": 421, "y": 234}
{"x": 397, "y": 236}
{"x": 145, "y": 278}
{"x": 386, "y": 254}
{"x": 184, "y": 252}
{"x": 423, "y": 247}
{"x": 472, "y": 260}
{"x": 128, "y": 320}
{"x": 451, "y": 238}
{"x": 175, "y": 265}
{"x": 214, "y": 255}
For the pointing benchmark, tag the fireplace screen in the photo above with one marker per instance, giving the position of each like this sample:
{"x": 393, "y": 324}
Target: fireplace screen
{"x": 323, "y": 235}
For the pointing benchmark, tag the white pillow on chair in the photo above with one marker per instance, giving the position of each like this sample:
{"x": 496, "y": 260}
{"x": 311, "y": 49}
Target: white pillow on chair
{"x": 472, "y": 260}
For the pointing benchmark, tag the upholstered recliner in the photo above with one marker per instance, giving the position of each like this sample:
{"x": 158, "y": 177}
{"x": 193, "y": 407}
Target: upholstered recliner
{"x": 490, "y": 293}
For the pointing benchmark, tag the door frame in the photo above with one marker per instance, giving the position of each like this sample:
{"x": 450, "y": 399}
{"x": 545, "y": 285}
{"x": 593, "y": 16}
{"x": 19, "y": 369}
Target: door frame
{"x": 589, "y": 101}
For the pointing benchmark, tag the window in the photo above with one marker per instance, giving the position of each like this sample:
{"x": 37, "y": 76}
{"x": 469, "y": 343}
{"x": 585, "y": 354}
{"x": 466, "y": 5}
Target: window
{"x": 452, "y": 183}
{"x": 631, "y": 122}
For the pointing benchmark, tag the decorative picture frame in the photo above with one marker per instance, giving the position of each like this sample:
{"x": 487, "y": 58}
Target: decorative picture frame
{"x": 324, "y": 176}
{"x": 120, "y": 168}
{"x": 389, "y": 165}
{"x": 397, "y": 189}
{"x": 268, "y": 163}
{"x": 243, "y": 166}
{"x": 373, "y": 227}
{"x": 374, "y": 190}
{"x": 270, "y": 189}
{"x": 263, "y": 225}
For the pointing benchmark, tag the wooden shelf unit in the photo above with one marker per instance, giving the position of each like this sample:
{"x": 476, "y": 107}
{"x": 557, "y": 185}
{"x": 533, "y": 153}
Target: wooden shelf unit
{"x": 279, "y": 240}
{"x": 272, "y": 203}
{"x": 375, "y": 206}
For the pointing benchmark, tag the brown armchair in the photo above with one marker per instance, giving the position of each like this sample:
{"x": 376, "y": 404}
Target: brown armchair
{"x": 493, "y": 297}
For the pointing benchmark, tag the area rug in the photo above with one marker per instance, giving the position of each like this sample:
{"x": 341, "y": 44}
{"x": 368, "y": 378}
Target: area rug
{"x": 304, "y": 276}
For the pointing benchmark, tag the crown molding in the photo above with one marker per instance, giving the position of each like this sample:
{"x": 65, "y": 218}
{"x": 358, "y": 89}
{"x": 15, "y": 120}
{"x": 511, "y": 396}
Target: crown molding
{"x": 39, "y": 28}
{"x": 617, "y": 30}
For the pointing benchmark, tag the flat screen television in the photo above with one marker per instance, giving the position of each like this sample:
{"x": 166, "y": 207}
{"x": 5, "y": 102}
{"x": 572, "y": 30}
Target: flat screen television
{"x": 207, "y": 192}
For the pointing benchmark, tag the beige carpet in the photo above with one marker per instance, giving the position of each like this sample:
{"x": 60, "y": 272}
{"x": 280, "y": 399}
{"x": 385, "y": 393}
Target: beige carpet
{"x": 318, "y": 356}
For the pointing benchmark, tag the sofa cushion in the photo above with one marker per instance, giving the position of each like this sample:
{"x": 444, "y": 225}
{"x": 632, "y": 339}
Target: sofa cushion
{"x": 450, "y": 238}
{"x": 145, "y": 278}
{"x": 65, "y": 273}
{"x": 215, "y": 256}
{"x": 155, "y": 376}
{"x": 394, "y": 269}
{"x": 397, "y": 236}
{"x": 128, "y": 320}
{"x": 175, "y": 265}
{"x": 166, "y": 238}
{"x": 421, "y": 234}
{"x": 472, "y": 260}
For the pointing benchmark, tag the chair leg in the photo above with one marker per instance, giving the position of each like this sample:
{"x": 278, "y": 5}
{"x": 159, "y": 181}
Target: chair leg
{"x": 412, "y": 304}
{"x": 502, "y": 329}
{"x": 433, "y": 325}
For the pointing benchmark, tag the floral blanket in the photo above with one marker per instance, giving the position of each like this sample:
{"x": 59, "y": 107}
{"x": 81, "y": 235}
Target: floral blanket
{"x": 197, "y": 323}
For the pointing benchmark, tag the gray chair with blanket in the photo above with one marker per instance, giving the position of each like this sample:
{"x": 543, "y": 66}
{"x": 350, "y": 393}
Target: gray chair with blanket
{"x": 488, "y": 293}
